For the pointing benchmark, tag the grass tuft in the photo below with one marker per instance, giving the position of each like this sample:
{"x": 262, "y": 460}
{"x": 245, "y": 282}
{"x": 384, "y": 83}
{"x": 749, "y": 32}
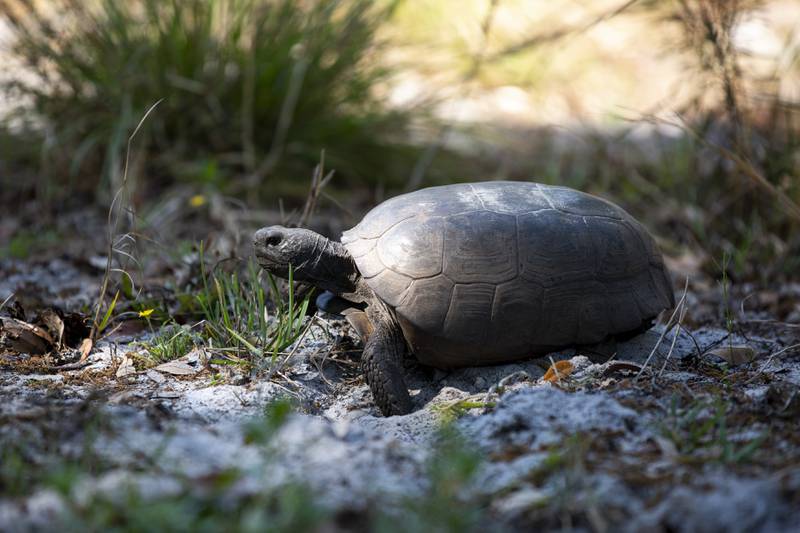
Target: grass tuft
{"x": 171, "y": 342}
{"x": 700, "y": 431}
{"x": 236, "y": 315}
{"x": 251, "y": 89}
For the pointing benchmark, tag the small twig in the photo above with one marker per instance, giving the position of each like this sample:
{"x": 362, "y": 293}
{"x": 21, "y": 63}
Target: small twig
{"x": 318, "y": 182}
{"x": 770, "y": 358}
{"x": 69, "y": 366}
{"x": 287, "y": 389}
{"x": 560, "y": 33}
{"x": 667, "y": 328}
{"x": 288, "y": 379}
{"x": 276, "y": 369}
{"x": 674, "y": 339}
{"x": 112, "y": 224}
{"x": 320, "y": 365}
{"x": 2, "y": 305}
{"x": 694, "y": 341}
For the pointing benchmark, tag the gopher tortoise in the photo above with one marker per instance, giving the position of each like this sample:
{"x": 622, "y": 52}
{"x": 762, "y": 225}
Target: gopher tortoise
{"x": 478, "y": 274}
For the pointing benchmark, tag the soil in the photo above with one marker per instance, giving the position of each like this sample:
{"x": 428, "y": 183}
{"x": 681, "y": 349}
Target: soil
{"x": 672, "y": 433}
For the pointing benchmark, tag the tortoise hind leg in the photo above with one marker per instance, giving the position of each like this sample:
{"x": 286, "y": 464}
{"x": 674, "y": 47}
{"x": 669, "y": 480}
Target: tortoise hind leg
{"x": 382, "y": 363}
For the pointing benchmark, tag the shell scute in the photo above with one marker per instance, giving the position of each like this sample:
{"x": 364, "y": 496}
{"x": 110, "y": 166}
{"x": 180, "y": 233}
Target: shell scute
{"x": 579, "y": 203}
{"x": 555, "y": 248}
{"x": 480, "y": 247}
{"x": 413, "y": 247}
{"x": 510, "y": 197}
{"x": 470, "y": 308}
{"x": 619, "y": 251}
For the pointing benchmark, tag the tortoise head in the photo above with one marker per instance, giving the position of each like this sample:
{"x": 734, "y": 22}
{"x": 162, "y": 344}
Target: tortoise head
{"x": 313, "y": 258}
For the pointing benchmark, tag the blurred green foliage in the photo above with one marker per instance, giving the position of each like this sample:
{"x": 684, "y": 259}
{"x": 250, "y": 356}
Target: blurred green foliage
{"x": 252, "y": 90}
{"x": 24, "y": 243}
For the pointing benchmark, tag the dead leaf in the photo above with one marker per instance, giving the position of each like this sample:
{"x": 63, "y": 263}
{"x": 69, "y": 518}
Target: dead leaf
{"x": 86, "y": 349}
{"x": 25, "y": 338}
{"x": 735, "y": 355}
{"x": 558, "y": 370}
{"x": 178, "y": 367}
{"x": 126, "y": 367}
{"x": 49, "y": 320}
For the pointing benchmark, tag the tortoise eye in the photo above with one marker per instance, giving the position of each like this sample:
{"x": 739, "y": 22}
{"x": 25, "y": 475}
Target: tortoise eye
{"x": 273, "y": 240}
{"x": 269, "y": 236}
{"x": 272, "y": 237}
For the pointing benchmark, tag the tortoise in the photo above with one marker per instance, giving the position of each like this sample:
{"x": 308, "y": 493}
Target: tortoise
{"x": 478, "y": 274}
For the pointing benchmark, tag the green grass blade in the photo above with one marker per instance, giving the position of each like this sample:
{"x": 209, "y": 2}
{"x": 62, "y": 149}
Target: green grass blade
{"x": 107, "y": 315}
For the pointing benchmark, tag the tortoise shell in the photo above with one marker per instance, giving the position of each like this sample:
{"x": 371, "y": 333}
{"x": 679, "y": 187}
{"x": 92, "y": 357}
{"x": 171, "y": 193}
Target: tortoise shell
{"x": 483, "y": 273}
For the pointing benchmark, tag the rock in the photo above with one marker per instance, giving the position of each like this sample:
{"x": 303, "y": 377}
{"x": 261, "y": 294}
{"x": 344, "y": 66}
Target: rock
{"x": 155, "y": 376}
{"x": 125, "y": 368}
{"x": 178, "y": 367}
{"x": 538, "y": 416}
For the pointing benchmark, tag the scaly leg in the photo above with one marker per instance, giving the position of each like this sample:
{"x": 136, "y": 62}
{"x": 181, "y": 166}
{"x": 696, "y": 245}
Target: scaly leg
{"x": 382, "y": 363}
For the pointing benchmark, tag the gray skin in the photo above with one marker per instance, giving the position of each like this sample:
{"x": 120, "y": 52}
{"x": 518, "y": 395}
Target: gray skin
{"x": 477, "y": 274}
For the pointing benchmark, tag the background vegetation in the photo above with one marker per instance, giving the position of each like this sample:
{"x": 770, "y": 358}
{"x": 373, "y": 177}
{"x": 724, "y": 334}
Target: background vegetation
{"x": 249, "y": 90}
{"x": 677, "y": 109}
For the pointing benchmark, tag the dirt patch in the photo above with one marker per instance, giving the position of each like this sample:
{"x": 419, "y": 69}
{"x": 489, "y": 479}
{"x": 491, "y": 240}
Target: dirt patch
{"x": 664, "y": 435}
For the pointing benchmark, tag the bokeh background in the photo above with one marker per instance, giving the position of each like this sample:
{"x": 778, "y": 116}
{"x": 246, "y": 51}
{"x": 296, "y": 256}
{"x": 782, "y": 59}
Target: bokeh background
{"x": 686, "y": 112}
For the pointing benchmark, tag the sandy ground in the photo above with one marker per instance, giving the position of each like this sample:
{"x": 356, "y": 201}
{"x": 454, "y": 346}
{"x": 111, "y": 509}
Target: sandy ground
{"x": 597, "y": 448}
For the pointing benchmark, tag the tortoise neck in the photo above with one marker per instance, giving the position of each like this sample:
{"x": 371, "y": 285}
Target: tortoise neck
{"x": 333, "y": 268}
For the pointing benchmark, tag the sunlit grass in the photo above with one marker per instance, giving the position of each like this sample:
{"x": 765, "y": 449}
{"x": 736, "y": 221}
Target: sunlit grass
{"x": 251, "y": 89}
{"x": 236, "y": 316}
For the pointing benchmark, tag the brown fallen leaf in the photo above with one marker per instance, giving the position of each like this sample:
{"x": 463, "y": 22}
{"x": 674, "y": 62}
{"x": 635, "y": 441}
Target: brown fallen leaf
{"x": 735, "y": 355}
{"x": 25, "y": 338}
{"x": 558, "y": 370}
{"x": 50, "y": 321}
{"x": 86, "y": 349}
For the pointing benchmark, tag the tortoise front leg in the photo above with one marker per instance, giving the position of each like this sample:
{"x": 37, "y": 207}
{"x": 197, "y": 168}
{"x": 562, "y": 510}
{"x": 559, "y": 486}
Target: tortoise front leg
{"x": 382, "y": 363}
